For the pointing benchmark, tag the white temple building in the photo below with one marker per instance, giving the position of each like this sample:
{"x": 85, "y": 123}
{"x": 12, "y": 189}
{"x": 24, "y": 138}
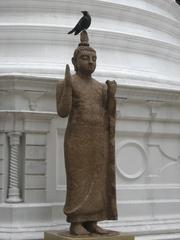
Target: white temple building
{"x": 138, "y": 45}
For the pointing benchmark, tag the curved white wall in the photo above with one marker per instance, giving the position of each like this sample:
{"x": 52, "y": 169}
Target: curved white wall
{"x": 136, "y": 40}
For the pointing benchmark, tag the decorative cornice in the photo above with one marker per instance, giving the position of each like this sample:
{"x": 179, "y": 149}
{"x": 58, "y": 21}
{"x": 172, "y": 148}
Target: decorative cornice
{"x": 129, "y": 86}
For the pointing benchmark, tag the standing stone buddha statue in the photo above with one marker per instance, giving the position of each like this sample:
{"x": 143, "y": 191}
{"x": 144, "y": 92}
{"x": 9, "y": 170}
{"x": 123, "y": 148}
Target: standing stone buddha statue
{"x": 88, "y": 144}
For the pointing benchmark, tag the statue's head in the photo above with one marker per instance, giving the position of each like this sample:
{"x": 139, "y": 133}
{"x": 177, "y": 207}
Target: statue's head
{"x": 84, "y": 58}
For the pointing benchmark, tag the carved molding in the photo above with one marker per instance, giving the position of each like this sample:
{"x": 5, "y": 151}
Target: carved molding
{"x": 165, "y": 154}
{"x": 168, "y": 165}
{"x": 143, "y": 165}
{"x": 166, "y": 186}
{"x": 157, "y": 85}
{"x": 33, "y": 98}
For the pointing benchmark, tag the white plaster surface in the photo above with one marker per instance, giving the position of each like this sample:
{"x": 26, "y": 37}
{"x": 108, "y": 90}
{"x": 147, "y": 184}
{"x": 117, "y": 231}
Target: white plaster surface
{"x": 138, "y": 45}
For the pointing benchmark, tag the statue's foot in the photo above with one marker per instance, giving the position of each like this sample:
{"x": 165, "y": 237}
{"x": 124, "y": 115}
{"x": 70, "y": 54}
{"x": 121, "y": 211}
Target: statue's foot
{"x": 92, "y": 227}
{"x": 78, "y": 229}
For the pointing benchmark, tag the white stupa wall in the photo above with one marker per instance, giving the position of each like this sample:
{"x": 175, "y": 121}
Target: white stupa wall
{"x": 138, "y": 45}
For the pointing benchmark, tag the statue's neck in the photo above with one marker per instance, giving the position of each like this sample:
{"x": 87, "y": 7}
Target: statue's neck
{"x": 84, "y": 76}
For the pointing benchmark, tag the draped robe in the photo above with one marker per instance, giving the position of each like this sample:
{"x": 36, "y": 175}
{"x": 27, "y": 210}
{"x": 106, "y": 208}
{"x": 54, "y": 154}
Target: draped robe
{"x": 89, "y": 153}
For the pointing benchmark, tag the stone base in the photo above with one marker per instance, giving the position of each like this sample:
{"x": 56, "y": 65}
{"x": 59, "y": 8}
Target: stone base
{"x": 62, "y": 235}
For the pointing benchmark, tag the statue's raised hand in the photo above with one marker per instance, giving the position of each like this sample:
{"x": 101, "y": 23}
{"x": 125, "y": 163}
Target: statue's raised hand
{"x": 68, "y": 78}
{"x": 64, "y": 94}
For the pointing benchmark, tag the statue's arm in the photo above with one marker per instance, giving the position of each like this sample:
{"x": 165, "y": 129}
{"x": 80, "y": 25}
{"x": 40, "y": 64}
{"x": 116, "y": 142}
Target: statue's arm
{"x": 64, "y": 95}
{"x": 110, "y": 99}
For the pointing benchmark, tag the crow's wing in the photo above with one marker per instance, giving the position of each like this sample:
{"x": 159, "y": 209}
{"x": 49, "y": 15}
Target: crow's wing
{"x": 82, "y": 24}
{"x": 77, "y": 27}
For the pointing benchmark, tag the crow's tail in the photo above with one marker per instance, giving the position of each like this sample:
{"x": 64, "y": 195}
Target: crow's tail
{"x": 71, "y": 31}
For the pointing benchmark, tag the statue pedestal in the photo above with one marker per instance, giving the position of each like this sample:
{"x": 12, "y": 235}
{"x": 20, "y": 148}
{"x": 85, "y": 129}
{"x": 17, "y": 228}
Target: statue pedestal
{"x": 62, "y": 235}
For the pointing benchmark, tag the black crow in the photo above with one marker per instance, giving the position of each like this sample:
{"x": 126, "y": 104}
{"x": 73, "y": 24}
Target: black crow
{"x": 83, "y": 23}
{"x": 177, "y": 1}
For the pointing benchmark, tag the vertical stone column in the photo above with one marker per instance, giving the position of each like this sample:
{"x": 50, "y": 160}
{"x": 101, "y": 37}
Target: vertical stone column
{"x": 13, "y": 185}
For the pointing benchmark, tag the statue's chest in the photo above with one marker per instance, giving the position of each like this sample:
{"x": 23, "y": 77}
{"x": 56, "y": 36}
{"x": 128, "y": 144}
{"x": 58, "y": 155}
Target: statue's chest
{"x": 87, "y": 94}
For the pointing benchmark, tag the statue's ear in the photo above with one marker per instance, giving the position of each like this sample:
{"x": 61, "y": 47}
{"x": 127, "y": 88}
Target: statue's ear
{"x": 74, "y": 63}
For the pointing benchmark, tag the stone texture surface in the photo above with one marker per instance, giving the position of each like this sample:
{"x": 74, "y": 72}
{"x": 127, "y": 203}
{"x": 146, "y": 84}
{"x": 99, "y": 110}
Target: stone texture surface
{"x": 89, "y": 141}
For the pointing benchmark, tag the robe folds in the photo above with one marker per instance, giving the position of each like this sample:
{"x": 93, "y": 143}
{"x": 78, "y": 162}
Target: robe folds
{"x": 89, "y": 153}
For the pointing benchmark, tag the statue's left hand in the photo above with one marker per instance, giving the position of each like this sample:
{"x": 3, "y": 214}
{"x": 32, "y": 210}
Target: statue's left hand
{"x": 111, "y": 87}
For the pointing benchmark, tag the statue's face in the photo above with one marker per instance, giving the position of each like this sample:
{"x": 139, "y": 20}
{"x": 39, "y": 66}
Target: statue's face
{"x": 86, "y": 62}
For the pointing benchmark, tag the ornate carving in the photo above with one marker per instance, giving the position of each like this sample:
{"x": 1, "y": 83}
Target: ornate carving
{"x": 164, "y": 152}
{"x": 13, "y": 187}
{"x": 13, "y": 178}
{"x": 33, "y": 97}
{"x": 142, "y": 166}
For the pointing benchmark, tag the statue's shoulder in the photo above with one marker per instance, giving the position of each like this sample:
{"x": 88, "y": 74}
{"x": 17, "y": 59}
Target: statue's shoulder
{"x": 98, "y": 84}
